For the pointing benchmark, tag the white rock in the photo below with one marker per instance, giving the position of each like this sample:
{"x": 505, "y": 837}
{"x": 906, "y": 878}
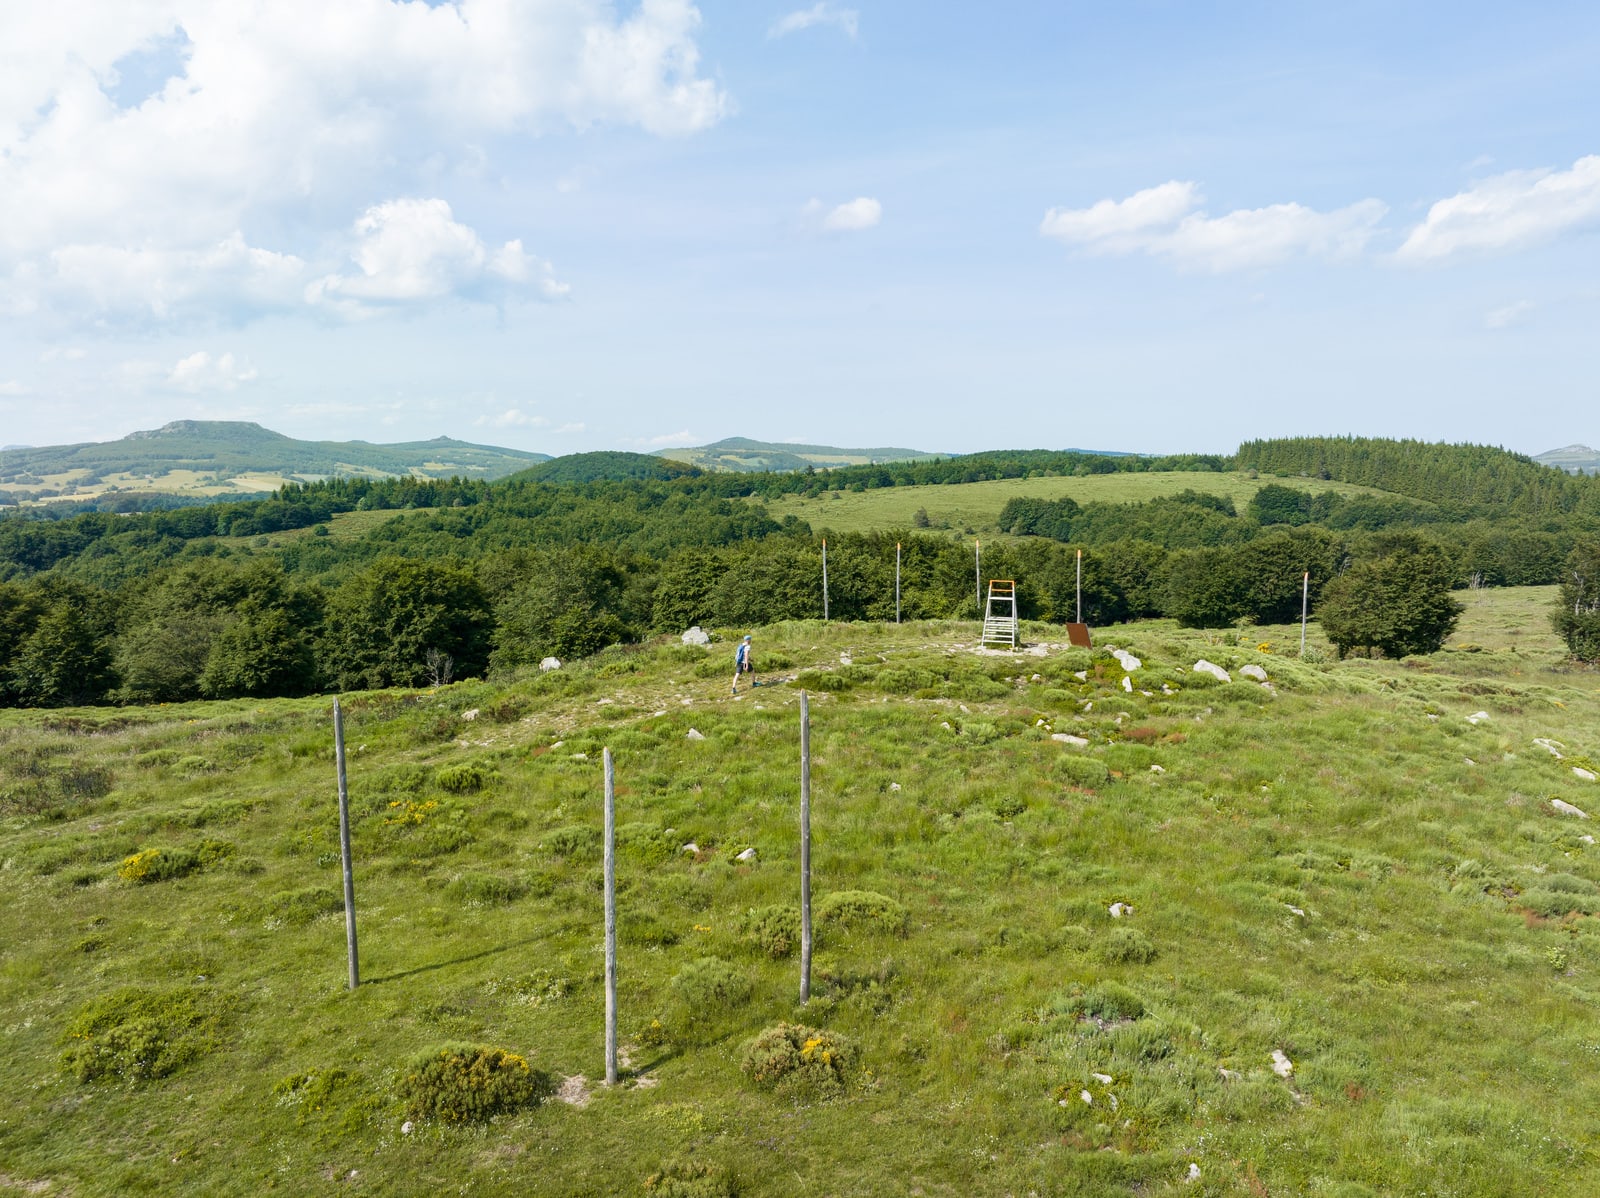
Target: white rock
{"x": 407, "y": 1128}
{"x": 470, "y": 714}
{"x": 550, "y": 663}
{"x": 1253, "y": 671}
{"x": 1210, "y": 667}
{"x": 1550, "y": 746}
{"x": 697, "y": 636}
{"x": 1037, "y": 678}
{"x": 1193, "y": 1175}
{"x": 686, "y": 701}
{"x": 1127, "y": 660}
{"x": 1067, "y": 738}
{"x": 1167, "y": 690}
{"x": 1088, "y": 1098}
{"x": 894, "y": 787}
{"x": 1586, "y": 775}
{"x": 1296, "y": 910}
{"x": 965, "y": 710}
{"x": 1281, "y": 1065}
{"x": 1040, "y": 724}
{"x": 1103, "y": 1078}
{"x": 1088, "y": 707}
{"x": 1228, "y": 1075}
{"x": 558, "y": 744}
{"x": 748, "y": 855}
{"x": 1468, "y": 761}
{"x": 580, "y": 757}
{"x": 694, "y": 734}
{"x": 691, "y": 847}
{"x": 1587, "y": 839}
{"x": 1118, "y": 910}
{"x": 1082, "y": 675}
{"x": 603, "y": 702}
{"x": 1477, "y": 717}
{"x": 1127, "y": 684}
{"x": 1158, "y": 769}
{"x": 945, "y": 724}
{"x": 1566, "y": 808}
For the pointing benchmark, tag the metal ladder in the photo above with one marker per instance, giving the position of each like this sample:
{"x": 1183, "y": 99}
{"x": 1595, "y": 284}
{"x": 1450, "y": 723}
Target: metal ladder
{"x": 1000, "y": 613}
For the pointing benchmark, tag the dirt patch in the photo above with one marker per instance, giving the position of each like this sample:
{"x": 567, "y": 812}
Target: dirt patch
{"x": 574, "y": 1091}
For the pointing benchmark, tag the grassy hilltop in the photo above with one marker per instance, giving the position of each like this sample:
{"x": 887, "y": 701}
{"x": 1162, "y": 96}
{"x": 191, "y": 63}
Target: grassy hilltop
{"x": 1355, "y": 869}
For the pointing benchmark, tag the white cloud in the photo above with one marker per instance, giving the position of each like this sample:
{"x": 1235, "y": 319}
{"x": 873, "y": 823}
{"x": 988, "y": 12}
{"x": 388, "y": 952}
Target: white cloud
{"x": 665, "y": 440}
{"x": 11, "y": 388}
{"x": 1518, "y": 208}
{"x": 201, "y": 372}
{"x": 513, "y": 418}
{"x": 849, "y": 217}
{"x": 1511, "y": 314}
{"x": 274, "y": 114}
{"x": 414, "y": 250}
{"x": 844, "y": 19}
{"x": 1164, "y": 221}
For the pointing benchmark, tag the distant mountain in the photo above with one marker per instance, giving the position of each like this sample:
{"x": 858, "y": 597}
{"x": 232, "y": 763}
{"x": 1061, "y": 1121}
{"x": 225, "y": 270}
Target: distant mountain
{"x": 604, "y": 464}
{"x": 743, "y": 454}
{"x": 230, "y": 457}
{"x": 1574, "y": 459}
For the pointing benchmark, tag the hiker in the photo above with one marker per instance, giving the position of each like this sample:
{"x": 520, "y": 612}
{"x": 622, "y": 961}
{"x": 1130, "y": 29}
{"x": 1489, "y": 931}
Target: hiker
{"x": 742, "y": 664}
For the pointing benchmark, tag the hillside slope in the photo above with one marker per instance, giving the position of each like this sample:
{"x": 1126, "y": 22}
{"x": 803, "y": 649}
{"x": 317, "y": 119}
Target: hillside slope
{"x": 744, "y": 455}
{"x": 1357, "y": 878}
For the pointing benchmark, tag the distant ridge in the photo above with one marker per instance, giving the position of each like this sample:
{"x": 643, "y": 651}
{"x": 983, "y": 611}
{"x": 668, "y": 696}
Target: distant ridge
{"x": 743, "y": 454}
{"x": 234, "y": 457}
{"x": 1574, "y": 459}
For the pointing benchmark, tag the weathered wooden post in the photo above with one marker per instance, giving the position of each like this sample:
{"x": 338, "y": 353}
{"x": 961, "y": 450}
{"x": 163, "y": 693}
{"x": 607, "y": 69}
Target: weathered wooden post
{"x": 977, "y": 575}
{"x": 824, "y": 578}
{"x": 805, "y": 849}
{"x": 1079, "y": 618}
{"x": 344, "y": 849}
{"x": 611, "y": 919}
{"x": 897, "y": 582}
{"x": 1305, "y": 605}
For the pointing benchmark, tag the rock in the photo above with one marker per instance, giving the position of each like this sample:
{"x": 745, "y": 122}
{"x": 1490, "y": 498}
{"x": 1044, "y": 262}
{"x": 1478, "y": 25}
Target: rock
{"x": 691, "y": 848}
{"x": 550, "y": 663}
{"x": 1587, "y": 839}
{"x": 1037, "y": 678}
{"x": 694, "y": 734}
{"x": 1103, "y": 1078}
{"x": 1296, "y": 910}
{"x": 1228, "y": 1075}
{"x": 1468, "y": 761}
{"x": 965, "y": 710}
{"x": 1193, "y": 1175}
{"x": 697, "y": 636}
{"x": 945, "y": 724}
{"x": 1082, "y": 675}
{"x": 1550, "y": 746}
{"x": 748, "y": 855}
{"x": 470, "y": 714}
{"x": 1067, "y": 738}
{"x": 1477, "y": 717}
{"x": 1127, "y": 684}
{"x": 1118, "y": 910}
{"x": 1088, "y": 1099}
{"x": 894, "y": 787}
{"x": 1586, "y": 775}
{"x": 1281, "y": 1065}
{"x": 1253, "y": 671}
{"x": 845, "y": 659}
{"x": 407, "y": 1128}
{"x": 1167, "y": 690}
{"x": 1210, "y": 667}
{"x": 580, "y": 757}
{"x": 1566, "y": 808}
{"x": 1126, "y": 660}
{"x": 603, "y": 702}
{"x": 1158, "y": 769}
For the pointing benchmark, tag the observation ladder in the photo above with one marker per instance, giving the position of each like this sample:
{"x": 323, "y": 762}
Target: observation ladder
{"x": 1000, "y": 613}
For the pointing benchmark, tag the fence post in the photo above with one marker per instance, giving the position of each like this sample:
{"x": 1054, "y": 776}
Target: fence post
{"x": 1079, "y": 619}
{"x": 1305, "y": 603}
{"x": 805, "y": 849}
{"x": 897, "y": 582}
{"x": 977, "y": 575}
{"x": 344, "y": 849}
{"x": 824, "y": 579}
{"x": 611, "y": 919}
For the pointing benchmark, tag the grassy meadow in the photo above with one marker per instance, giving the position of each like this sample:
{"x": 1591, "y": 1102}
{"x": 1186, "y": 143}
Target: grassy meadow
{"x": 1353, "y": 955}
{"x": 975, "y": 507}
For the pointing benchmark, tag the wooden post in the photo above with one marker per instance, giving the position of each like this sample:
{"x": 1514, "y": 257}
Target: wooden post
{"x": 805, "y": 849}
{"x": 344, "y": 849}
{"x": 611, "y": 919}
{"x": 1305, "y": 604}
{"x": 1079, "y": 619}
{"x": 897, "y": 582}
{"x": 977, "y": 575}
{"x": 824, "y": 578}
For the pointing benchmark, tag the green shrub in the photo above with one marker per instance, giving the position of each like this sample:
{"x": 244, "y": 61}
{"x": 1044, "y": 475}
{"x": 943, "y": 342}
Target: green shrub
{"x": 644, "y": 842}
{"x": 1126, "y": 946}
{"x": 468, "y": 777}
{"x": 643, "y": 928}
{"x": 486, "y": 890}
{"x": 709, "y": 985}
{"x": 691, "y": 1179}
{"x": 158, "y": 865}
{"x": 1106, "y": 1000}
{"x": 303, "y": 906}
{"x": 137, "y": 1034}
{"x": 791, "y": 1056}
{"x": 469, "y": 1083}
{"x": 577, "y": 842}
{"x": 863, "y": 910}
{"x": 774, "y": 931}
{"x": 1084, "y": 772}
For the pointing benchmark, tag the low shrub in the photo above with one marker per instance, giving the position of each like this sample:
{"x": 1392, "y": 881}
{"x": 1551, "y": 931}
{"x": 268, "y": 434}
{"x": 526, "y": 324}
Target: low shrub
{"x": 709, "y": 985}
{"x": 158, "y": 865}
{"x": 863, "y": 910}
{"x": 691, "y": 1179}
{"x": 1126, "y": 946}
{"x": 469, "y": 1083}
{"x": 774, "y": 931}
{"x": 577, "y": 842}
{"x": 303, "y": 906}
{"x": 1084, "y": 772}
{"x": 644, "y": 842}
{"x": 468, "y": 777}
{"x": 792, "y": 1056}
{"x": 486, "y": 890}
{"x": 1105, "y": 1001}
{"x": 136, "y": 1034}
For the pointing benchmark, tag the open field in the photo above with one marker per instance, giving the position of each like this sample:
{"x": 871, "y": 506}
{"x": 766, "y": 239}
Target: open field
{"x": 974, "y": 507}
{"x": 1346, "y": 870}
{"x": 342, "y": 526}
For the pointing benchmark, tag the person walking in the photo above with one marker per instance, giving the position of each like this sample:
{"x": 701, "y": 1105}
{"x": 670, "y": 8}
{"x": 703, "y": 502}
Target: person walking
{"x": 742, "y": 664}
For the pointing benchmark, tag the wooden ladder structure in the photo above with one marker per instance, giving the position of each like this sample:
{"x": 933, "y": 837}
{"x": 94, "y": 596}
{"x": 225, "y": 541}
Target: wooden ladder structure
{"x": 1000, "y": 613}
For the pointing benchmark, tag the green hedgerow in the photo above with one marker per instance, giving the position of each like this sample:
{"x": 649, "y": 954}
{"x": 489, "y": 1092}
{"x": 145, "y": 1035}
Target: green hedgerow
{"x": 691, "y": 1179}
{"x": 158, "y": 865}
{"x": 774, "y": 931}
{"x": 1126, "y": 946}
{"x": 469, "y": 1083}
{"x": 865, "y": 910}
{"x": 792, "y": 1056}
{"x": 136, "y": 1034}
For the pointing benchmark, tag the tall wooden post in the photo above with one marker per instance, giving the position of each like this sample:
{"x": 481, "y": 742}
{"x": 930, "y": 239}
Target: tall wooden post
{"x": 1079, "y": 619}
{"x": 977, "y": 575}
{"x": 824, "y": 579}
{"x": 1305, "y": 606}
{"x": 344, "y": 849}
{"x": 805, "y": 848}
{"x": 611, "y": 919}
{"x": 897, "y": 582}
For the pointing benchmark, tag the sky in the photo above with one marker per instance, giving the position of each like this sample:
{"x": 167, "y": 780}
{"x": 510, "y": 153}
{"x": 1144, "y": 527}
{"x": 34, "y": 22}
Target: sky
{"x": 564, "y": 225}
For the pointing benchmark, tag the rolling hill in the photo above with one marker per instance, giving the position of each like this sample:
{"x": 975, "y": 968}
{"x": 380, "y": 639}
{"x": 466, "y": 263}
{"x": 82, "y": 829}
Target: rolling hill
{"x": 743, "y": 454}
{"x": 1574, "y": 459}
{"x": 230, "y": 457}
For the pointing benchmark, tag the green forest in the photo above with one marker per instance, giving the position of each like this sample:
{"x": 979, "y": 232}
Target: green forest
{"x": 468, "y": 577}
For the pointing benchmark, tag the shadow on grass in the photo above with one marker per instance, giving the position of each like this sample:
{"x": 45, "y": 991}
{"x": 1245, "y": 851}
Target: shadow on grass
{"x": 477, "y": 956}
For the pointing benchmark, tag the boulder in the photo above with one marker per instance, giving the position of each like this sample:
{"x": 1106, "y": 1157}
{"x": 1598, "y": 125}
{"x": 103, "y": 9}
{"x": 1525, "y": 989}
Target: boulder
{"x": 1067, "y": 738}
{"x": 691, "y": 848}
{"x": 1210, "y": 667}
{"x": 697, "y": 636}
{"x": 1126, "y": 660}
{"x": 1550, "y": 746}
{"x": 1566, "y": 808}
{"x": 1127, "y": 684}
{"x": 694, "y": 734}
{"x": 748, "y": 855}
{"x": 1281, "y": 1065}
{"x": 1477, "y": 717}
{"x": 470, "y": 714}
{"x": 1118, "y": 910}
{"x": 1253, "y": 671}
{"x": 550, "y": 663}
{"x": 1586, "y": 775}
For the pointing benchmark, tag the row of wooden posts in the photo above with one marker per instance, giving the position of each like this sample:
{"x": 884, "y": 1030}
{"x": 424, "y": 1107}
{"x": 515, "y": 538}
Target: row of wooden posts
{"x": 977, "y": 579}
{"x": 610, "y": 874}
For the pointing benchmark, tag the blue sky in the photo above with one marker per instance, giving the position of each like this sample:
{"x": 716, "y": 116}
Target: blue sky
{"x": 565, "y": 225}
